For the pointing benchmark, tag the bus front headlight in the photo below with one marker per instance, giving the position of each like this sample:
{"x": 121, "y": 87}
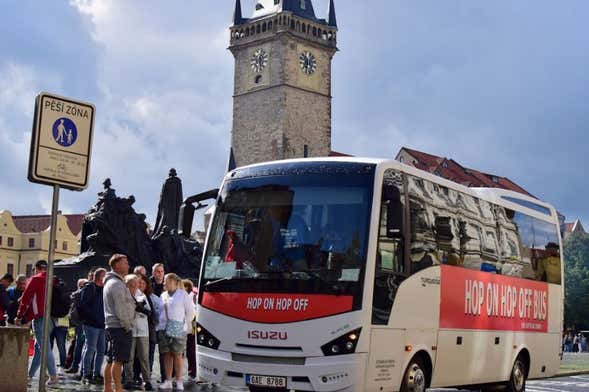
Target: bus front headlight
{"x": 205, "y": 338}
{"x": 345, "y": 344}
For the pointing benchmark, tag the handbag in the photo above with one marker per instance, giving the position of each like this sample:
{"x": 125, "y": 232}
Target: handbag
{"x": 174, "y": 328}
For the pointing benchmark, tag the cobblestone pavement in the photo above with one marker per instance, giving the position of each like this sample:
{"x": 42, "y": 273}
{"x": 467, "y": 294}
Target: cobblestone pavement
{"x": 563, "y": 384}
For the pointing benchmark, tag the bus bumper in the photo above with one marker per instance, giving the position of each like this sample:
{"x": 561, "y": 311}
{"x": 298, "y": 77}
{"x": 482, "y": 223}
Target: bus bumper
{"x": 335, "y": 373}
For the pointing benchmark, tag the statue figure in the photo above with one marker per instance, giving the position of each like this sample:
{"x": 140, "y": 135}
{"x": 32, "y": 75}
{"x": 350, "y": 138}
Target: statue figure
{"x": 169, "y": 204}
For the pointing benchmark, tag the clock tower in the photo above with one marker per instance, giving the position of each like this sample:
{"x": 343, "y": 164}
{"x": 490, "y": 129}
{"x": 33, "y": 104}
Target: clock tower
{"x": 282, "y": 95}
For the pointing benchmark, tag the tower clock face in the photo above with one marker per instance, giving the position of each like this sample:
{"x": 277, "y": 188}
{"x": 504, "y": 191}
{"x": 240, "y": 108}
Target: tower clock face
{"x": 259, "y": 60}
{"x": 308, "y": 62}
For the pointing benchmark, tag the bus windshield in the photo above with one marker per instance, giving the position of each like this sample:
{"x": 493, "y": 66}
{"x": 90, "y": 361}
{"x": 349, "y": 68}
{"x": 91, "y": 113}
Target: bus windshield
{"x": 290, "y": 233}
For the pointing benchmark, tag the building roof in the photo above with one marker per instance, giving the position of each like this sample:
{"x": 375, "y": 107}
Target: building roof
{"x": 572, "y": 227}
{"x": 39, "y": 223}
{"x": 452, "y": 170}
{"x": 338, "y": 154}
{"x": 331, "y": 18}
{"x": 302, "y": 8}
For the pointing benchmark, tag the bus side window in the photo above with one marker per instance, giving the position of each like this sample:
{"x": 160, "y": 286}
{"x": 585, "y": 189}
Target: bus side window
{"x": 540, "y": 249}
{"x": 389, "y": 271}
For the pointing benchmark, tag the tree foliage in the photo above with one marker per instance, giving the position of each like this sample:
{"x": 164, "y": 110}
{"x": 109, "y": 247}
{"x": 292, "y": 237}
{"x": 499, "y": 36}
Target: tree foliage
{"x": 576, "y": 261}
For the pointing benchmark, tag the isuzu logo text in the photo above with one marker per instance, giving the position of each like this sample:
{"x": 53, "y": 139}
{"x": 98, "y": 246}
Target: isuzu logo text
{"x": 267, "y": 335}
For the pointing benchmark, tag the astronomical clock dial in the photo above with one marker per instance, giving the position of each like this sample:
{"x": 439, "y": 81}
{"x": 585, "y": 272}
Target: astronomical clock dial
{"x": 308, "y": 62}
{"x": 259, "y": 60}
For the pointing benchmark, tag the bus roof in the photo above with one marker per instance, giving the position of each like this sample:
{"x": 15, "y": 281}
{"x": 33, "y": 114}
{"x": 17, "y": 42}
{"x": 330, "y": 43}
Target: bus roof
{"x": 507, "y": 198}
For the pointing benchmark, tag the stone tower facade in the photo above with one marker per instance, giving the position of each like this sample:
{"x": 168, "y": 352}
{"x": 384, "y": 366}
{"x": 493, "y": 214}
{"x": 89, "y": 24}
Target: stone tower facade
{"x": 282, "y": 96}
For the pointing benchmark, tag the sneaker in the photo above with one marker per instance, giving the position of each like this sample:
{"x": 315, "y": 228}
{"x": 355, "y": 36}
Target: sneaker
{"x": 166, "y": 385}
{"x": 72, "y": 370}
{"x": 148, "y": 386}
{"x": 53, "y": 380}
{"x": 98, "y": 380}
{"x": 179, "y": 385}
{"x": 129, "y": 386}
{"x": 88, "y": 380}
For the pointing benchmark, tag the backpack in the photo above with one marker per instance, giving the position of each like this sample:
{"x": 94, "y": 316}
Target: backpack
{"x": 75, "y": 318}
{"x": 60, "y": 301}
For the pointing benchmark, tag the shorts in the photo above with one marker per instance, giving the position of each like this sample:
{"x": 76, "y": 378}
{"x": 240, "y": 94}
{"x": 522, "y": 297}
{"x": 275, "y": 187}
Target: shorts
{"x": 118, "y": 345}
{"x": 170, "y": 345}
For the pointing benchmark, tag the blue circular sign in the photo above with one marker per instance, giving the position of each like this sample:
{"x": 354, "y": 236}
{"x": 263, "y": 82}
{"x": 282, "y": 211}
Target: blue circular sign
{"x": 65, "y": 132}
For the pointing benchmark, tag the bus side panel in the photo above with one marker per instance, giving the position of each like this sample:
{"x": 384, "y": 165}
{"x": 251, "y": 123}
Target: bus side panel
{"x": 417, "y": 302}
{"x": 555, "y": 309}
{"x": 416, "y": 310}
{"x": 386, "y": 360}
{"x": 544, "y": 352}
{"x": 469, "y": 357}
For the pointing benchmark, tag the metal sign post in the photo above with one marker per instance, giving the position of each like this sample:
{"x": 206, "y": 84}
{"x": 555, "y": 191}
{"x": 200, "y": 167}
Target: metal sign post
{"x": 47, "y": 320}
{"x": 61, "y": 146}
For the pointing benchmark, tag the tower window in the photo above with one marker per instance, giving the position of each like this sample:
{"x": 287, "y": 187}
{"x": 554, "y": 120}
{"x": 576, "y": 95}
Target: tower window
{"x": 31, "y": 242}
{"x": 292, "y": 24}
{"x": 258, "y": 79}
{"x": 258, "y": 29}
{"x": 306, "y": 151}
{"x": 304, "y": 28}
{"x": 264, "y": 28}
{"x": 10, "y": 242}
{"x": 303, "y": 4}
{"x": 276, "y": 2}
{"x": 314, "y": 31}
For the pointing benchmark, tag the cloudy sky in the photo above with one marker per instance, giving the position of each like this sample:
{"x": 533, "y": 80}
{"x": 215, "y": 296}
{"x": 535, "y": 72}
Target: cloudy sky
{"x": 500, "y": 86}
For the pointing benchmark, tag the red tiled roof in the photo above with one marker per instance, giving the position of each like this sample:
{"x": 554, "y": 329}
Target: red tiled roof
{"x": 338, "y": 154}
{"x": 39, "y": 223}
{"x": 453, "y": 171}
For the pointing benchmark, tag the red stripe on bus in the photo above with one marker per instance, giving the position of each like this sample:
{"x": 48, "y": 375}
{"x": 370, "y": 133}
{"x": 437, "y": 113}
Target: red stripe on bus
{"x": 276, "y": 308}
{"x": 485, "y": 301}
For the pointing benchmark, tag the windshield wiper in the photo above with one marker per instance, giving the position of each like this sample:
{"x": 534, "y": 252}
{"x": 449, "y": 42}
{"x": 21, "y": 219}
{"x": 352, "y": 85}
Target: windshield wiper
{"x": 215, "y": 282}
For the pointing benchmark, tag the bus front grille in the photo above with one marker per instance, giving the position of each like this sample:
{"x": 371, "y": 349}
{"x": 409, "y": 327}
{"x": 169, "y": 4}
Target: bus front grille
{"x": 264, "y": 359}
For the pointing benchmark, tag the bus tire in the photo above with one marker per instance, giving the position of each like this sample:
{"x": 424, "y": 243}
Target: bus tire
{"x": 416, "y": 376}
{"x": 517, "y": 379}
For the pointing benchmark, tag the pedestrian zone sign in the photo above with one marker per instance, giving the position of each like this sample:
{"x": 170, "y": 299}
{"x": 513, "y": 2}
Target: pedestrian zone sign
{"x": 61, "y": 143}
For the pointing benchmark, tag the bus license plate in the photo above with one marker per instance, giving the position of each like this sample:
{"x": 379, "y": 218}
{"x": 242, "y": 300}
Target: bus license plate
{"x": 266, "y": 381}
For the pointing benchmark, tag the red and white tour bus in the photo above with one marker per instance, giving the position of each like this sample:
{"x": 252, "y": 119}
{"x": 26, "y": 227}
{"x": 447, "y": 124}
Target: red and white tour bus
{"x": 345, "y": 274}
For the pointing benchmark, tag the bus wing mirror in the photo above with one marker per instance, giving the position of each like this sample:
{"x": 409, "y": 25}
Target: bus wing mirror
{"x": 187, "y": 209}
{"x": 391, "y": 197}
{"x": 185, "y": 219}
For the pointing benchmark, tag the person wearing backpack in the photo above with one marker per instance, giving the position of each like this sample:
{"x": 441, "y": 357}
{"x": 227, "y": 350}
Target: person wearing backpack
{"x": 91, "y": 314}
{"x": 75, "y": 350}
{"x": 60, "y": 310}
{"x": 32, "y": 307}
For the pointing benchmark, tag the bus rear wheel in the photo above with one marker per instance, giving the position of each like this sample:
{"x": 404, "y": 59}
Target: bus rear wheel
{"x": 519, "y": 373}
{"x": 415, "y": 378}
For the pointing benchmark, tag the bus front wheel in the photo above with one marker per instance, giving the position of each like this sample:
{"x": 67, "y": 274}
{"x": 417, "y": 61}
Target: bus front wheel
{"x": 519, "y": 373}
{"x": 415, "y": 379}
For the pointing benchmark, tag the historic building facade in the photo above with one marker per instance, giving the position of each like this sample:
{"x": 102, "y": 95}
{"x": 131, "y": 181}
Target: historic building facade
{"x": 25, "y": 239}
{"x": 282, "y": 93}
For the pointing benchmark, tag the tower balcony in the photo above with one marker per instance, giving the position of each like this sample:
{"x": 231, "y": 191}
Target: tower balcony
{"x": 254, "y": 30}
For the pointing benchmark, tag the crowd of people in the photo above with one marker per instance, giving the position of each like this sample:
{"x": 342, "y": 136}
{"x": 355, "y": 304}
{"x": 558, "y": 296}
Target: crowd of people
{"x": 572, "y": 343}
{"x": 117, "y": 315}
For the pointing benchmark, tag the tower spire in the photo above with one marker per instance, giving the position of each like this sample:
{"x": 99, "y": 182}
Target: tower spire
{"x": 237, "y": 15}
{"x": 331, "y": 19}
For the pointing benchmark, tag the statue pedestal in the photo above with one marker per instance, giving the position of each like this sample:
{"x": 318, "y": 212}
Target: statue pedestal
{"x": 14, "y": 358}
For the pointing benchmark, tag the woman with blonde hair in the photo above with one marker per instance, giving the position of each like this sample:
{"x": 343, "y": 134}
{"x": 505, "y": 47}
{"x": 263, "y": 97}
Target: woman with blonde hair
{"x": 177, "y": 316}
{"x": 191, "y": 337}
